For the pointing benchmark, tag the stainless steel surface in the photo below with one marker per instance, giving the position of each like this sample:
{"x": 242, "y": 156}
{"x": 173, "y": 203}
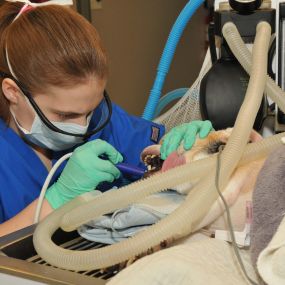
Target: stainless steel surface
{"x": 18, "y": 257}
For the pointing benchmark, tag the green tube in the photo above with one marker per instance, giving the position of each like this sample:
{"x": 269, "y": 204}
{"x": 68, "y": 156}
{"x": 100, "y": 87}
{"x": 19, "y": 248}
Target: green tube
{"x": 184, "y": 219}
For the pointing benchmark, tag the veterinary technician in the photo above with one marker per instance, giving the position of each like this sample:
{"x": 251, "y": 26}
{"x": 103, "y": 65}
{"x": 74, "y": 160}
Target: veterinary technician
{"x": 53, "y": 72}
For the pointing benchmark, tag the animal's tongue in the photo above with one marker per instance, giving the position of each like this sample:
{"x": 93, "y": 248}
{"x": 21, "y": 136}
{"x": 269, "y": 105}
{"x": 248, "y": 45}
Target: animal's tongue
{"x": 173, "y": 160}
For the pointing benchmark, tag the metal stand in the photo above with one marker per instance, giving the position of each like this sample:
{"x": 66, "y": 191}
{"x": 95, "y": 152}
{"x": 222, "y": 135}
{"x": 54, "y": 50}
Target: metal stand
{"x": 84, "y": 8}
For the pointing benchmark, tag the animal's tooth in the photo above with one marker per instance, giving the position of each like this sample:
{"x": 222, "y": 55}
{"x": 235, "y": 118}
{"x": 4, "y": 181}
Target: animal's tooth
{"x": 149, "y": 167}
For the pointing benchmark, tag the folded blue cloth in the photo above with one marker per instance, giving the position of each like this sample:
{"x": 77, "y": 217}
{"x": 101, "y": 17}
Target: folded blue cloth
{"x": 126, "y": 222}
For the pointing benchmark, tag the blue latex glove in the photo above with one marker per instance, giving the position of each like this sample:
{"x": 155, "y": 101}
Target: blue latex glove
{"x": 187, "y": 133}
{"x": 84, "y": 171}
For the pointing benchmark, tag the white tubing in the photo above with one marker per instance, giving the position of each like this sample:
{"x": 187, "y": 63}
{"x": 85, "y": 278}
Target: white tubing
{"x": 183, "y": 220}
{"x": 45, "y": 186}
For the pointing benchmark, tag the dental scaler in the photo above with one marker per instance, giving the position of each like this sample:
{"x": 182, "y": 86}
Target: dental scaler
{"x": 130, "y": 169}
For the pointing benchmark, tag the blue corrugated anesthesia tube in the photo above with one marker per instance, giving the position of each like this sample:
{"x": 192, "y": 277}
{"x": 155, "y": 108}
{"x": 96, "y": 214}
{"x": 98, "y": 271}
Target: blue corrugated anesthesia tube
{"x": 167, "y": 56}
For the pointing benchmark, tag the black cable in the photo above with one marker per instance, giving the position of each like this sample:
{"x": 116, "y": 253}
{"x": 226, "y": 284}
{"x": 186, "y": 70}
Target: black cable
{"x": 212, "y": 44}
{"x": 271, "y": 54}
{"x": 229, "y": 220}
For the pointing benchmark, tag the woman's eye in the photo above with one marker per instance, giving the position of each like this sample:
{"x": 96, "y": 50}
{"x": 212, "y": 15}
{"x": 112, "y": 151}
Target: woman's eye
{"x": 65, "y": 117}
{"x": 62, "y": 116}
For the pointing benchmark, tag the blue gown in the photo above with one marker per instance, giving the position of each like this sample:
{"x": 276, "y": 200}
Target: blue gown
{"x": 22, "y": 173}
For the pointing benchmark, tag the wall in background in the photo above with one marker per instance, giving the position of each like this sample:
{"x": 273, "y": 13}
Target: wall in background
{"x": 134, "y": 33}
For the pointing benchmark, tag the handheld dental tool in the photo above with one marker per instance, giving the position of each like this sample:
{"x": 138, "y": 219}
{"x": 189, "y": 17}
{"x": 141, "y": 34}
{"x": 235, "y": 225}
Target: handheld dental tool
{"x": 130, "y": 169}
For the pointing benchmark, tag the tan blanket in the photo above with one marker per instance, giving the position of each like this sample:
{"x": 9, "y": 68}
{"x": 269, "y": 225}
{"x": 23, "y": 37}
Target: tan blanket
{"x": 200, "y": 261}
{"x": 271, "y": 261}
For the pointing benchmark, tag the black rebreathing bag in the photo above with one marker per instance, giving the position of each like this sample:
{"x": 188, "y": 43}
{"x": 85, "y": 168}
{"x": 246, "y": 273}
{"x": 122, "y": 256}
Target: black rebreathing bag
{"x": 222, "y": 92}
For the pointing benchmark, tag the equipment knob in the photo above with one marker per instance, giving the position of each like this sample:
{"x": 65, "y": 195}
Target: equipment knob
{"x": 245, "y": 6}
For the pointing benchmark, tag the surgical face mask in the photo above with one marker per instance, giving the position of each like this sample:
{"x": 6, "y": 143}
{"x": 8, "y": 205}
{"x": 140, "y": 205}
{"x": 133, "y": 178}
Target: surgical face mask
{"x": 44, "y": 137}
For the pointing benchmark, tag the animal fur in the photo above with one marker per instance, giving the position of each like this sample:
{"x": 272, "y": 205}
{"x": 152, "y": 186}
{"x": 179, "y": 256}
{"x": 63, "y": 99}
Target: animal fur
{"x": 238, "y": 191}
{"x": 262, "y": 182}
{"x": 239, "y": 188}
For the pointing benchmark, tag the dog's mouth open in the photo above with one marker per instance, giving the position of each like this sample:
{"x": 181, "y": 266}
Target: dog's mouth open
{"x": 153, "y": 162}
{"x": 201, "y": 149}
{"x": 151, "y": 158}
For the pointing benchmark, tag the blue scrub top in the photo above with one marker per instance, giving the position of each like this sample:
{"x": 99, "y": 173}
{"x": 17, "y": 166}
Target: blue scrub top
{"x": 22, "y": 173}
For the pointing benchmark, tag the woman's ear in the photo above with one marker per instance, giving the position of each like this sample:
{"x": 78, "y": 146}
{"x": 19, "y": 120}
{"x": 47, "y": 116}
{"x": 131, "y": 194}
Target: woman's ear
{"x": 11, "y": 91}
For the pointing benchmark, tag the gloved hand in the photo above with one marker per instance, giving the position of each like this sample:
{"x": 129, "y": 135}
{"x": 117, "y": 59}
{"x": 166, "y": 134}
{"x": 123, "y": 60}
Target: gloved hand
{"x": 84, "y": 171}
{"x": 187, "y": 133}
